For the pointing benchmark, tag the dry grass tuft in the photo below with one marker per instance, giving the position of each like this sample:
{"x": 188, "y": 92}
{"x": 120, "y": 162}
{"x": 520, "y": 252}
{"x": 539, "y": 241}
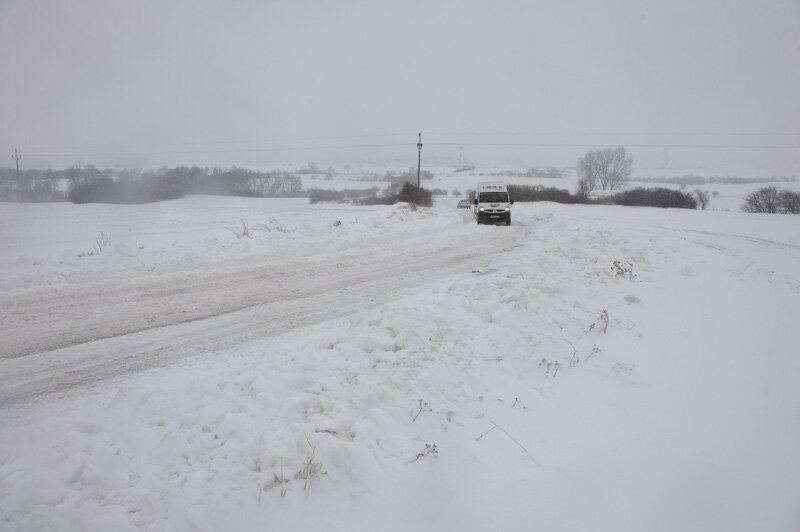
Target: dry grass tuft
{"x": 311, "y": 469}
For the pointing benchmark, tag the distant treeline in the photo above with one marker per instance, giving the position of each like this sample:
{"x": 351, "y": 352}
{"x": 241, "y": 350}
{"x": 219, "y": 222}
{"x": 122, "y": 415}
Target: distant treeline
{"x": 552, "y": 173}
{"x": 643, "y": 197}
{"x": 694, "y": 180}
{"x": 89, "y": 184}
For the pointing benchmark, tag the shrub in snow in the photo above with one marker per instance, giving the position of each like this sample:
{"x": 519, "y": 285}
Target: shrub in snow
{"x": 763, "y": 200}
{"x": 771, "y": 200}
{"x": 539, "y": 193}
{"x": 641, "y": 197}
{"x": 416, "y": 196}
{"x": 655, "y": 197}
{"x": 789, "y": 202}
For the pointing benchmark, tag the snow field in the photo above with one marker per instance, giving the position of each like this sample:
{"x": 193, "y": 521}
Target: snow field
{"x": 180, "y": 236}
{"x": 681, "y": 416}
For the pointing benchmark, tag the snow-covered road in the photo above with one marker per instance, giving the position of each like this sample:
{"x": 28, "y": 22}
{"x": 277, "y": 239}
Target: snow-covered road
{"x": 93, "y": 327}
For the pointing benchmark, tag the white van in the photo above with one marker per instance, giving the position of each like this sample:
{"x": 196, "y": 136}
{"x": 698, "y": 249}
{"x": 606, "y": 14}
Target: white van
{"x": 492, "y": 204}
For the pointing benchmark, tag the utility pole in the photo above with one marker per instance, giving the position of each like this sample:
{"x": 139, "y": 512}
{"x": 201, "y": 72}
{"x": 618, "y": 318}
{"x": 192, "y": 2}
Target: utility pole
{"x": 17, "y": 157}
{"x": 419, "y": 158}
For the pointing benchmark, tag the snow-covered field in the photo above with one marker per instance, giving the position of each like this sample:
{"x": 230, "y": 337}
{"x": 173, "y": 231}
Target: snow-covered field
{"x": 381, "y": 368}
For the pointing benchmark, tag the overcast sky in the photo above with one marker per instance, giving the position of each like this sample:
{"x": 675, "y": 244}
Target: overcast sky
{"x": 146, "y": 83}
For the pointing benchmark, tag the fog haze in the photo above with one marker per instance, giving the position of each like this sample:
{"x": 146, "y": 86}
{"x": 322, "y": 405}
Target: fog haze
{"x": 164, "y": 83}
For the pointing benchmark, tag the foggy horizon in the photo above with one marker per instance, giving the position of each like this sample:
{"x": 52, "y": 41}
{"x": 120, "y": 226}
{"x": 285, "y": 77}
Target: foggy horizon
{"x": 682, "y": 85}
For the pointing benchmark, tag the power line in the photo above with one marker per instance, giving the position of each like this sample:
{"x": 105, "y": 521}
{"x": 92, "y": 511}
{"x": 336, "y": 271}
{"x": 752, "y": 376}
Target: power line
{"x": 617, "y": 134}
{"x": 230, "y": 150}
{"x": 613, "y": 145}
{"x": 344, "y": 146}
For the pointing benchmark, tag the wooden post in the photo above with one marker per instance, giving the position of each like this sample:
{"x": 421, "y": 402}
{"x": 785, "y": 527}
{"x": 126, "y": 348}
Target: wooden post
{"x": 17, "y": 157}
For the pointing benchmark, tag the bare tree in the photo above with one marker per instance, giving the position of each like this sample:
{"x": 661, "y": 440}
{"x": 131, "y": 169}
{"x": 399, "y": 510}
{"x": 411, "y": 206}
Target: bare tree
{"x": 762, "y": 200}
{"x": 610, "y": 168}
{"x": 617, "y": 168}
{"x": 589, "y": 172}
